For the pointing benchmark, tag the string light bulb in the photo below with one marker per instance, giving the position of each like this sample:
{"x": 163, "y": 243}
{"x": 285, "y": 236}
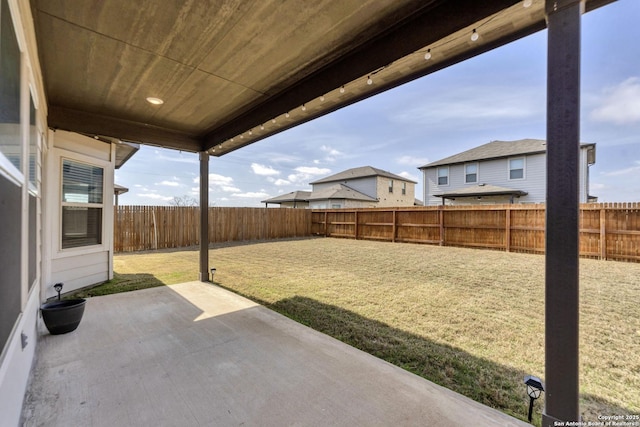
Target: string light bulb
{"x": 261, "y": 127}
{"x": 250, "y": 131}
{"x": 286, "y": 114}
{"x": 273, "y": 120}
{"x": 427, "y": 56}
{"x": 321, "y": 98}
{"x": 527, "y": 3}
{"x": 369, "y": 80}
{"x": 304, "y": 107}
{"x": 342, "y": 89}
{"x": 474, "y": 36}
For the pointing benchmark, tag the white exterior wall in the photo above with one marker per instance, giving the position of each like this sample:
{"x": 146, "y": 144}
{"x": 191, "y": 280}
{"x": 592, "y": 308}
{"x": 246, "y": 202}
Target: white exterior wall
{"x": 496, "y": 172}
{"x": 85, "y": 265}
{"x": 15, "y": 359}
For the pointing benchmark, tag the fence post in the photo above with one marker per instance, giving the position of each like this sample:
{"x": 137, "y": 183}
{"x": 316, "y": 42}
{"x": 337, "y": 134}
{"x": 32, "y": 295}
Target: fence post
{"x": 355, "y": 227}
{"x": 603, "y": 233}
{"x": 394, "y": 228}
{"x": 441, "y": 219}
{"x": 326, "y": 224}
{"x": 507, "y": 227}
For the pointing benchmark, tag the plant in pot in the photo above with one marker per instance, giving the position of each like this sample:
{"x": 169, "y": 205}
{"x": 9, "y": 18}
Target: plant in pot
{"x": 62, "y": 316}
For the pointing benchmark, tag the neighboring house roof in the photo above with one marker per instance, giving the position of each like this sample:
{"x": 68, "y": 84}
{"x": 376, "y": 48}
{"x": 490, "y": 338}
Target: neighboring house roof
{"x": 294, "y": 196}
{"x": 119, "y": 189}
{"x": 482, "y": 190}
{"x": 496, "y": 150}
{"x": 340, "y": 191}
{"x": 418, "y": 202}
{"x": 361, "y": 172}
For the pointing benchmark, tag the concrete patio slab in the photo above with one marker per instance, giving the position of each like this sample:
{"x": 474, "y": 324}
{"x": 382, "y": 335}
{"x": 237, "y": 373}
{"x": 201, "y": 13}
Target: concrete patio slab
{"x": 194, "y": 354}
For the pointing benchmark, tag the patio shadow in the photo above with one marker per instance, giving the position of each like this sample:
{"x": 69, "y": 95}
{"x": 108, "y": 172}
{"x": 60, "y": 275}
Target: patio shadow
{"x": 483, "y": 380}
{"x": 120, "y": 283}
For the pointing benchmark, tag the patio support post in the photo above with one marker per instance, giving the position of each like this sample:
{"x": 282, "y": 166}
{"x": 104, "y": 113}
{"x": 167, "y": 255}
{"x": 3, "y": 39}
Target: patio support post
{"x": 204, "y": 216}
{"x": 562, "y": 212}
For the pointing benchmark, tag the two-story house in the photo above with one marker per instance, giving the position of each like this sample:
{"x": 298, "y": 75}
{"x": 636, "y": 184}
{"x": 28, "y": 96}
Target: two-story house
{"x": 498, "y": 172}
{"x": 363, "y": 187}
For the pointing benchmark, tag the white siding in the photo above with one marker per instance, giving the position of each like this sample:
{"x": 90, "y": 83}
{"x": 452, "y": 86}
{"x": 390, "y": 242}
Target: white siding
{"x": 80, "y": 270}
{"x": 16, "y": 359}
{"x": 86, "y": 265}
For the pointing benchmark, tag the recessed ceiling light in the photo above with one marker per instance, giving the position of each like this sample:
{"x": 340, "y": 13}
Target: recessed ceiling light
{"x": 155, "y": 101}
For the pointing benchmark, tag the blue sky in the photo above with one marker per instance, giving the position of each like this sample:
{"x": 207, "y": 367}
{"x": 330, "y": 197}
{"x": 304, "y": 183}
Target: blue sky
{"x": 500, "y": 95}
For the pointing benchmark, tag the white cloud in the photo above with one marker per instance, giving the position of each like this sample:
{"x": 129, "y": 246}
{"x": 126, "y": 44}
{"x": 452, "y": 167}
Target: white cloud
{"x": 312, "y": 170}
{"x": 624, "y": 171}
{"x": 218, "y": 182}
{"x": 408, "y": 176}
{"x": 155, "y": 196}
{"x": 620, "y": 104}
{"x": 252, "y": 195}
{"x": 280, "y": 182}
{"x": 412, "y": 161}
{"x": 263, "y": 170}
{"x": 304, "y": 174}
{"x": 597, "y": 186}
{"x": 332, "y": 153}
{"x": 168, "y": 183}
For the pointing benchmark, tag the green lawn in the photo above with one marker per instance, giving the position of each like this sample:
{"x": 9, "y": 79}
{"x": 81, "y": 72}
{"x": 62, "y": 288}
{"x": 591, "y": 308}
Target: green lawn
{"x": 471, "y": 320}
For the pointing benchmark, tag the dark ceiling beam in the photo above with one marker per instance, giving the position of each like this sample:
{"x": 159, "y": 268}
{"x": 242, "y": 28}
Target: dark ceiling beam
{"x": 96, "y": 124}
{"x": 426, "y": 26}
{"x": 379, "y": 88}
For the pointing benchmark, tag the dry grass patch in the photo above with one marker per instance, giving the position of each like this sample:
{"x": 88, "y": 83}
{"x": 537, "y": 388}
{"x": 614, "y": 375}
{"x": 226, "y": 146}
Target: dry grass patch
{"x": 471, "y": 320}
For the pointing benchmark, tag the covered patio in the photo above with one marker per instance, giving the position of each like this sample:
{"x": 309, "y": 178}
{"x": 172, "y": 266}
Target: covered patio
{"x": 213, "y": 77}
{"x": 196, "y": 354}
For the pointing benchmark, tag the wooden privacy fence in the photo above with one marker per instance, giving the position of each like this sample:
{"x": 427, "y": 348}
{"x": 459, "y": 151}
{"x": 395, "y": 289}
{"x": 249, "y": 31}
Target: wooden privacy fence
{"x": 607, "y": 230}
{"x": 139, "y": 228}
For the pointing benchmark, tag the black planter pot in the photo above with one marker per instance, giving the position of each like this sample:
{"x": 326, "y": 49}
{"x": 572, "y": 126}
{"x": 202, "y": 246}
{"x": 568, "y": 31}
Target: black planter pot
{"x": 62, "y": 316}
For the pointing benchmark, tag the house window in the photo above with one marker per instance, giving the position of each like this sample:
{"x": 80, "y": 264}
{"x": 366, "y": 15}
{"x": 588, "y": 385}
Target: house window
{"x": 336, "y": 206}
{"x": 471, "y": 173}
{"x": 10, "y": 137}
{"x": 82, "y": 204}
{"x": 404, "y": 188}
{"x": 443, "y": 176}
{"x": 390, "y": 186}
{"x": 516, "y": 168}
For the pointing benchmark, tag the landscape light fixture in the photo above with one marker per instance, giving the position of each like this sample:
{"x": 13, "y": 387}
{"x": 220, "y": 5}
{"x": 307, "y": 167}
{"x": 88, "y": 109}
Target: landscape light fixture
{"x": 58, "y": 288}
{"x": 213, "y": 271}
{"x": 534, "y": 390}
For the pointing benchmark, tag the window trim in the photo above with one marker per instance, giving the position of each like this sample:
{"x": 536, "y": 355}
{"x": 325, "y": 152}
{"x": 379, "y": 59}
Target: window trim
{"x": 524, "y": 168}
{"x": 390, "y": 186}
{"x": 62, "y": 204}
{"x": 476, "y": 173}
{"x": 438, "y": 176}
{"x": 404, "y": 188}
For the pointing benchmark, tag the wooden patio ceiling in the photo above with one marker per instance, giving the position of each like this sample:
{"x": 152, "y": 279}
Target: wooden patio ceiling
{"x": 232, "y": 72}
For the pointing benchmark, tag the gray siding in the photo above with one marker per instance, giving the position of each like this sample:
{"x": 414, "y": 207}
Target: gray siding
{"x": 366, "y": 185}
{"x": 496, "y": 172}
